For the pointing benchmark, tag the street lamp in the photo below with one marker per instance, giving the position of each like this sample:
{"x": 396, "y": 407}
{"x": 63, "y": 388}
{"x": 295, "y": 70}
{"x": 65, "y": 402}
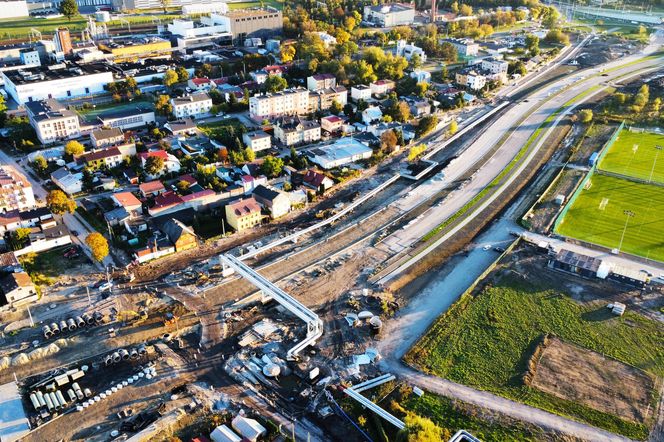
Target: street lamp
{"x": 659, "y": 149}
{"x": 629, "y": 214}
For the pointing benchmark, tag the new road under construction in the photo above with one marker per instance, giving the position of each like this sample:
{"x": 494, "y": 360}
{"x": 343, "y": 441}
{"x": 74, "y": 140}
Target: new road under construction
{"x": 290, "y": 328}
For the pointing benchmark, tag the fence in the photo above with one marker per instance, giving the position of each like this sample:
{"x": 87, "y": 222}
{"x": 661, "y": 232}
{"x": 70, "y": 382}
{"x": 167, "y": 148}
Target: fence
{"x": 585, "y": 179}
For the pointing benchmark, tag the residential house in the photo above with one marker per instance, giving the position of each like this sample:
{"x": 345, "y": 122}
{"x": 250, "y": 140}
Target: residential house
{"x": 291, "y": 131}
{"x": 105, "y": 137}
{"x": 249, "y": 183}
{"x": 470, "y": 78}
{"x": 407, "y": 50}
{"x": 165, "y": 202}
{"x": 382, "y": 87}
{"x": 129, "y": 202}
{"x": 332, "y": 124}
{"x": 52, "y": 120}
{"x": 155, "y": 249}
{"x": 130, "y": 176}
{"x": 182, "y": 236}
{"x": 193, "y": 146}
{"x": 497, "y": 68}
{"x": 257, "y": 140}
{"x": 17, "y": 289}
{"x": 327, "y": 39}
{"x": 194, "y": 105}
{"x": 419, "y": 108}
{"x": 259, "y": 76}
{"x": 186, "y": 126}
{"x": 46, "y": 238}
{"x": 109, "y": 157}
{"x": 12, "y": 220}
{"x": 465, "y": 47}
{"x": 360, "y": 92}
{"x": 421, "y": 76}
{"x": 321, "y": 81}
{"x": 243, "y": 214}
{"x": 275, "y": 202}
{"x": 322, "y": 99}
{"x": 151, "y": 188}
{"x": 199, "y": 84}
{"x": 68, "y": 180}
{"x": 371, "y": 115}
{"x": 171, "y": 163}
{"x": 317, "y": 180}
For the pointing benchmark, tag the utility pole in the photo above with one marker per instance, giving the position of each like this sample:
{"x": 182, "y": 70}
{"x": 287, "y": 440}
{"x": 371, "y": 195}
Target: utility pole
{"x": 629, "y": 214}
{"x": 87, "y": 289}
{"x": 652, "y": 171}
{"x": 32, "y": 323}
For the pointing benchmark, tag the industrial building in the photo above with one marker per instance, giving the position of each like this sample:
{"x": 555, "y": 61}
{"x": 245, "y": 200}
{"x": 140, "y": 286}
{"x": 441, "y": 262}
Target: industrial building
{"x": 258, "y": 22}
{"x": 127, "y": 118}
{"x": 339, "y": 152}
{"x": 14, "y": 9}
{"x": 188, "y": 34}
{"x": 135, "y": 48}
{"x": 393, "y": 14}
{"x": 67, "y": 80}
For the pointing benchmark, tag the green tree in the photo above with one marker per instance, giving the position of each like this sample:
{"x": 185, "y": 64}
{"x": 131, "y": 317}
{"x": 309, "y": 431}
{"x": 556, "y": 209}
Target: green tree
{"x": 59, "y": 203}
{"x": 427, "y": 124}
{"x": 415, "y": 62}
{"x": 585, "y": 116}
{"x": 163, "y": 105}
{"x": 272, "y": 166}
{"x": 40, "y": 165}
{"x": 336, "y": 108}
{"x": 448, "y": 52}
{"x": 421, "y": 429}
{"x": 154, "y": 165}
{"x": 532, "y": 44}
{"x": 170, "y": 78}
{"x": 249, "y": 154}
{"x": 69, "y": 8}
{"x": 98, "y": 245}
{"x": 205, "y": 70}
{"x": 88, "y": 179}
{"x": 3, "y": 111}
{"x": 183, "y": 74}
{"x": 466, "y": 10}
{"x": 73, "y": 148}
{"x": 557, "y": 36}
{"x": 275, "y": 83}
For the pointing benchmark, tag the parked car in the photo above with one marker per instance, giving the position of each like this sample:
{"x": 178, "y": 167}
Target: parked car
{"x": 74, "y": 232}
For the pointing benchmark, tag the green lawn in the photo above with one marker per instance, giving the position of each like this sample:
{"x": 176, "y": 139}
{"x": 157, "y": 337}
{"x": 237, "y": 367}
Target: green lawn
{"x": 485, "y": 342}
{"x": 45, "y": 268}
{"x": 597, "y": 216}
{"x": 633, "y": 154}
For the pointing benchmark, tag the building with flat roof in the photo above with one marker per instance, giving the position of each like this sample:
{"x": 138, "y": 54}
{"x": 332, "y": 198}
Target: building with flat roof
{"x": 257, "y": 140}
{"x": 64, "y": 81}
{"x": 62, "y": 41}
{"x": 15, "y": 190}
{"x": 388, "y": 15}
{"x": 52, "y": 120}
{"x": 14, "y": 9}
{"x": 191, "y": 35}
{"x": 106, "y": 137}
{"x": 287, "y": 102}
{"x": 339, "y": 152}
{"x": 136, "y": 48}
{"x": 14, "y": 424}
{"x": 466, "y": 47}
{"x": 255, "y": 22}
{"x": 127, "y": 118}
{"x": 194, "y": 105}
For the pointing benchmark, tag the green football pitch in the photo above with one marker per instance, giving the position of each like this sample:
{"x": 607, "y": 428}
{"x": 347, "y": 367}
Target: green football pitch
{"x": 598, "y": 216}
{"x": 636, "y": 155}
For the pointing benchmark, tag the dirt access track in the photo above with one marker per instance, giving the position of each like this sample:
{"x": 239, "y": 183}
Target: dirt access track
{"x": 580, "y": 375}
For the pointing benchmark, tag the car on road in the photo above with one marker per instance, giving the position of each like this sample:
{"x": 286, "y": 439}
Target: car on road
{"x": 487, "y": 247}
{"x": 499, "y": 249}
{"x": 74, "y": 232}
{"x": 106, "y": 286}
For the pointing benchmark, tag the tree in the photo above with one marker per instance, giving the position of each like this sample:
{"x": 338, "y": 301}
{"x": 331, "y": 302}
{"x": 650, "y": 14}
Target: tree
{"x": 557, "y": 36}
{"x": 98, "y": 245}
{"x": 59, "y": 203}
{"x": 336, "y": 108}
{"x": 183, "y": 74}
{"x": 163, "y": 105}
{"x": 388, "y": 141}
{"x": 585, "y": 116}
{"x": 170, "y": 78}
{"x": 154, "y": 165}
{"x": 275, "y": 83}
{"x": 455, "y": 7}
{"x": 272, "y": 166}
{"x": 287, "y": 53}
{"x": 183, "y": 186}
{"x": 421, "y": 429}
{"x": 427, "y": 124}
{"x": 3, "y": 111}
{"x": 362, "y": 72}
{"x": 448, "y": 52}
{"x": 415, "y": 61}
{"x": 69, "y": 8}
{"x": 399, "y": 111}
{"x": 532, "y": 44}
{"x": 416, "y": 151}
{"x": 205, "y": 70}
{"x": 88, "y": 179}
{"x": 466, "y": 10}
{"x": 454, "y": 127}
{"x": 40, "y": 165}
{"x": 249, "y": 154}
{"x": 74, "y": 148}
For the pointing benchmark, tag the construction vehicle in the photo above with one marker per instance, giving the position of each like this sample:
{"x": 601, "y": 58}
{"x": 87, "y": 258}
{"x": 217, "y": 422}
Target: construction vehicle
{"x": 132, "y": 316}
{"x": 170, "y": 319}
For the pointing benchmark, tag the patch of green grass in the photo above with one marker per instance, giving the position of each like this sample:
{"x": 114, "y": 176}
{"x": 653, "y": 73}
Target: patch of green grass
{"x": 253, "y": 4}
{"x": 636, "y": 155}
{"x": 96, "y": 220}
{"x": 223, "y": 130}
{"x": 597, "y": 216}
{"x": 485, "y": 342}
{"x": 446, "y": 414}
{"x": 46, "y": 267}
{"x": 91, "y": 114}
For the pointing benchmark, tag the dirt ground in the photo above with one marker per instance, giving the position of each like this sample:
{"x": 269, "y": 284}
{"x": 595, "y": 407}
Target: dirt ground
{"x": 596, "y": 381}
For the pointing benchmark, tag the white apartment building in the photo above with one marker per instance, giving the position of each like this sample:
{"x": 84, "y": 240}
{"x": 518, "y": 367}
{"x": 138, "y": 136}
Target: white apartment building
{"x": 257, "y": 140}
{"x": 465, "y": 47}
{"x": 471, "y": 79}
{"x": 381, "y": 87}
{"x": 360, "y": 92}
{"x": 287, "y": 102}
{"x": 52, "y": 121}
{"x": 15, "y": 190}
{"x": 495, "y": 66}
{"x": 291, "y": 131}
{"x": 393, "y": 14}
{"x": 194, "y": 105}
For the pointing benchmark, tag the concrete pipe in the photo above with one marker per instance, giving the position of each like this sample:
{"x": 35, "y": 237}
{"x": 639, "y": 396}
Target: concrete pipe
{"x": 72, "y": 395}
{"x": 49, "y": 401}
{"x": 47, "y": 331}
{"x": 88, "y": 318}
{"x": 79, "y": 395}
{"x": 108, "y": 360}
{"x": 35, "y": 401}
{"x": 71, "y": 324}
{"x": 87, "y": 392}
{"x": 133, "y": 354}
{"x": 63, "y": 326}
{"x": 40, "y": 398}
{"x": 116, "y": 357}
{"x": 61, "y": 398}
{"x": 54, "y": 328}
{"x": 124, "y": 354}
{"x": 142, "y": 350}
{"x": 54, "y": 400}
{"x": 80, "y": 322}
{"x": 98, "y": 317}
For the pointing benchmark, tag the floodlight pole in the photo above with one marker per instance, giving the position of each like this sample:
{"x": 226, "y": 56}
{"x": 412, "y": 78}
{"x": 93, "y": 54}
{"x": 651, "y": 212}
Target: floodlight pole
{"x": 659, "y": 149}
{"x": 629, "y": 214}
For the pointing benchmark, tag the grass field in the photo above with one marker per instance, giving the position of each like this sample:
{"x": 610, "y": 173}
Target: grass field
{"x": 633, "y": 154}
{"x": 597, "y": 216}
{"x": 91, "y": 114}
{"x": 485, "y": 342}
